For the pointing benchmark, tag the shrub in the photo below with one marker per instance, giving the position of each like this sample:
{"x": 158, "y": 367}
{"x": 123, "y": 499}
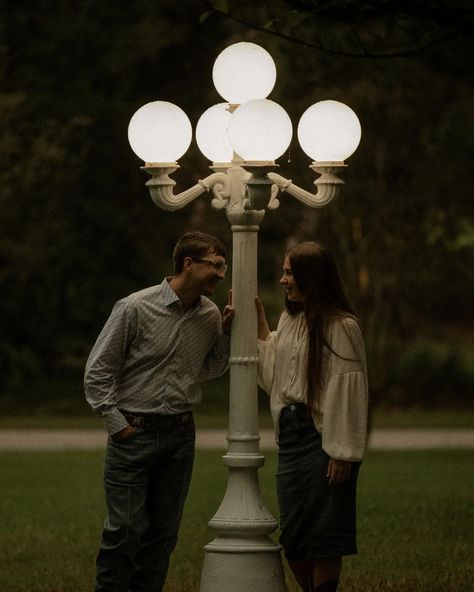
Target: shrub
{"x": 433, "y": 373}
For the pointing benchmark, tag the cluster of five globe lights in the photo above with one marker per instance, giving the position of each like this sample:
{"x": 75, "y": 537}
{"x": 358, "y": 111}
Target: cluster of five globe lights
{"x": 247, "y": 124}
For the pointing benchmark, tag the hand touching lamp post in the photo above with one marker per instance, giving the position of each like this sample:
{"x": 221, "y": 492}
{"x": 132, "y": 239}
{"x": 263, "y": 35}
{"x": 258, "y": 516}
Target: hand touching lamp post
{"x": 242, "y": 138}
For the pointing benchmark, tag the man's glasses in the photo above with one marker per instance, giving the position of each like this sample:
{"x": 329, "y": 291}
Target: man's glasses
{"x": 219, "y": 266}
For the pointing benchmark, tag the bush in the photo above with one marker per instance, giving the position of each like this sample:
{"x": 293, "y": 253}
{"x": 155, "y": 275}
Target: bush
{"x": 432, "y": 373}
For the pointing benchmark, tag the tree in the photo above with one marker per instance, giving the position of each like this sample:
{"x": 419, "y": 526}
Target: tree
{"x": 369, "y": 29}
{"x": 401, "y": 228}
{"x": 78, "y": 230}
{"x": 74, "y": 234}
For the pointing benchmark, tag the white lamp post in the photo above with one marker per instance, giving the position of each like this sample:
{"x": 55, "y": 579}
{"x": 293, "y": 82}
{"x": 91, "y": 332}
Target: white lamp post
{"x": 243, "y": 137}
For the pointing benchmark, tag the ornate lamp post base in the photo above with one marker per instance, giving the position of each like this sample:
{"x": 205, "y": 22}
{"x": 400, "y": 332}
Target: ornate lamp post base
{"x": 242, "y": 556}
{"x": 255, "y": 570}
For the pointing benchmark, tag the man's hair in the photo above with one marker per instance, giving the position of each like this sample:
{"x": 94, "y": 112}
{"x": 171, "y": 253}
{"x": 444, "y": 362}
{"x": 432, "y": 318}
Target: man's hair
{"x": 195, "y": 245}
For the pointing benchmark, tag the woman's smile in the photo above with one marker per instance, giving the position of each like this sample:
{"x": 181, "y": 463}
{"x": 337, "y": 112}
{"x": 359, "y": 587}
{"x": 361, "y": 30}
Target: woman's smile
{"x": 288, "y": 282}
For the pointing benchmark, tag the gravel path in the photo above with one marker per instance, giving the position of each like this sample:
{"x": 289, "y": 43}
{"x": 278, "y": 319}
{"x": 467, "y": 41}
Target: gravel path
{"x": 86, "y": 439}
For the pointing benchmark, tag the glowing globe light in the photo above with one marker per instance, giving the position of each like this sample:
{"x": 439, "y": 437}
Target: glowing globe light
{"x": 260, "y": 130}
{"x": 243, "y": 72}
{"x": 211, "y": 134}
{"x": 329, "y": 131}
{"x": 159, "y": 132}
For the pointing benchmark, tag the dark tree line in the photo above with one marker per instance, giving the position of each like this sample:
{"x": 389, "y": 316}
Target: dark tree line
{"x": 351, "y": 28}
{"x": 78, "y": 230}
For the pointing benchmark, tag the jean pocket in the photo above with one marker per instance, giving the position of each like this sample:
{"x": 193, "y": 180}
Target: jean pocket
{"x": 137, "y": 431}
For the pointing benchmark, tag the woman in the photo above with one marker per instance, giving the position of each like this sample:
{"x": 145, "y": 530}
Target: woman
{"x": 313, "y": 368}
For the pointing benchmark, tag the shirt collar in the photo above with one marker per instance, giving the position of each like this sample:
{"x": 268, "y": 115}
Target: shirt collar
{"x": 167, "y": 293}
{"x": 170, "y": 297}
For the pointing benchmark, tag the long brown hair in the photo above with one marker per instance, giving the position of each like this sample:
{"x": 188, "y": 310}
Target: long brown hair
{"x": 317, "y": 278}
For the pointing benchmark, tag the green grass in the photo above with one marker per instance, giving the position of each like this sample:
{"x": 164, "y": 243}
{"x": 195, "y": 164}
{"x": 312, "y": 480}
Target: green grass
{"x": 215, "y": 416}
{"x": 416, "y": 521}
{"x": 70, "y": 410}
{"x": 417, "y": 417}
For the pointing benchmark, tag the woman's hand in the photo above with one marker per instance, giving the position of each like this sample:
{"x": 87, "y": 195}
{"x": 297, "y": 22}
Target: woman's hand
{"x": 339, "y": 471}
{"x": 263, "y": 328}
{"x": 228, "y": 314}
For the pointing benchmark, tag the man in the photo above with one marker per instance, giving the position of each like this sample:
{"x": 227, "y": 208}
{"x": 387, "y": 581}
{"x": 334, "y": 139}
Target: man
{"x": 142, "y": 377}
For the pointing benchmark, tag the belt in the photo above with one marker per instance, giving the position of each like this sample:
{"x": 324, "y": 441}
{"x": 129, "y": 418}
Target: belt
{"x": 299, "y": 409}
{"x": 156, "y": 421}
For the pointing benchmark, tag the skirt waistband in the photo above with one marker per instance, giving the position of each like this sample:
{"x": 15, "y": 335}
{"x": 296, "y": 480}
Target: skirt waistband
{"x": 299, "y": 409}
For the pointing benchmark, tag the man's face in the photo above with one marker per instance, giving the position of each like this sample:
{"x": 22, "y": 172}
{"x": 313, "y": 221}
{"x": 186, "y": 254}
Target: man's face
{"x": 207, "y": 271}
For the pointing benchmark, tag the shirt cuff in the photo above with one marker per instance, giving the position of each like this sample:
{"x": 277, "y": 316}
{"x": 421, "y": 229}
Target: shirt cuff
{"x": 114, "y": 421}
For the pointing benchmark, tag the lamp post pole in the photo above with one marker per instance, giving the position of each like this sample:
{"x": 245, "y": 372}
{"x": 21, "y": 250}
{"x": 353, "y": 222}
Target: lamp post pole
{"x": 242, "y": 557}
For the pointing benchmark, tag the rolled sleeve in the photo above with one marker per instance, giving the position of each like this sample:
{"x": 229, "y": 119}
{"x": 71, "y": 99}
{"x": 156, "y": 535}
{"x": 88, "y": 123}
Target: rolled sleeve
{"x": 114, "y": 421}
{"x": 105, "y": 363}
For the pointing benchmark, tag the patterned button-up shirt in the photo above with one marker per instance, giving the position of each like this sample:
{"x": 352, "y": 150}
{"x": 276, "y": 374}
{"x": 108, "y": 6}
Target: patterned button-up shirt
{"x": 152, "y": 354}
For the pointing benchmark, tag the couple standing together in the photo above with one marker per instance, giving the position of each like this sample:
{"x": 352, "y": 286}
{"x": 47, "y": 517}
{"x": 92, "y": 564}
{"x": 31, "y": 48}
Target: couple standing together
{"x": 142, "y": 377}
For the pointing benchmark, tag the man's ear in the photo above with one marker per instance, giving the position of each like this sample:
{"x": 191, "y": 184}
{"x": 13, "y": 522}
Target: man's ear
{"x": 187, "y": 262}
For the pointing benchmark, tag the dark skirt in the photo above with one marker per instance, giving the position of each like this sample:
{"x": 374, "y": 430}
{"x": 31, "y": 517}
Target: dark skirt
{"x": 316, "y": 521}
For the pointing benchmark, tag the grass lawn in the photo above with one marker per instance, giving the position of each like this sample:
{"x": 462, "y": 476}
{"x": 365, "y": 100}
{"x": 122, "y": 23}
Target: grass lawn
{"x": 212, "y": 416}
{"x": 416, "y": 521}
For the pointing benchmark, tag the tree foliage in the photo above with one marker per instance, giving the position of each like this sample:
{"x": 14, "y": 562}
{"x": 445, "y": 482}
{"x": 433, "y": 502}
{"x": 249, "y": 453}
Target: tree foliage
{"x": 370, "y": 29}
{"x": 78, "y": 231}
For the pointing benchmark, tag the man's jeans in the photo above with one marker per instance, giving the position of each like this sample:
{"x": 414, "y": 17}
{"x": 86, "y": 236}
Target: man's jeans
{"x": 146, "y": 479}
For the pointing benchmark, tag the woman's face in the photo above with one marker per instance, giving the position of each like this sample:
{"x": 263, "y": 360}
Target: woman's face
{"x": 288, "y": 282}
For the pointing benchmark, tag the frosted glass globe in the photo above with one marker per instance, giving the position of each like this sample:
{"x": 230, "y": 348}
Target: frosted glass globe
{"x": 260, "y": 130}
{"x": 159, "y": 132}
{"x": 329, "y": 131}
{"x": 243, "y": 72}
{"x": 211, "y": 134}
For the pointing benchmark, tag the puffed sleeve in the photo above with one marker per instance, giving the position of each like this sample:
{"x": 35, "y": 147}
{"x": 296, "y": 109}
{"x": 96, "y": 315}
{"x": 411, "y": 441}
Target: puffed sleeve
{"x": 345, "y": 397}
{"x": 266, "y": 362}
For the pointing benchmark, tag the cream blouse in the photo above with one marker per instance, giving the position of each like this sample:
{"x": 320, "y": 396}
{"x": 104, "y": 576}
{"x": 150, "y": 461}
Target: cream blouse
{"x": 341, "y": 416}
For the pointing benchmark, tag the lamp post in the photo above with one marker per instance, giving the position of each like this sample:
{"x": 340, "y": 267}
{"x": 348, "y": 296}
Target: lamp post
{"x": 242, "y": 138}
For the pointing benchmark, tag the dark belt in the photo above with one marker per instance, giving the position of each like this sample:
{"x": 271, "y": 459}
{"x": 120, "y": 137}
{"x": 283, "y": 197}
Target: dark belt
{"x": 299, "y": 409}
{"x": 157, "y": 421}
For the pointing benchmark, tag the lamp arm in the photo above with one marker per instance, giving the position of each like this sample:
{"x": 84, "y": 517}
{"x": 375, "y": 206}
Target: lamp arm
{"x": 328, "y": 186}
{"x": 161, "y": 189}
